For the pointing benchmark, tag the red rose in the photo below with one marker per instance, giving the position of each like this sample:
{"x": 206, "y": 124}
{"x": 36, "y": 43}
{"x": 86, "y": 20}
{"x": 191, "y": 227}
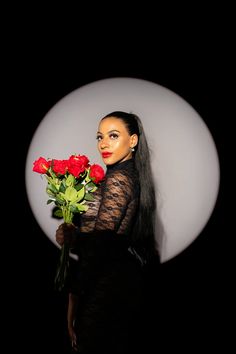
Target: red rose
{"x": 59, "y": 166}
{"x": 77, "y": 164}
{"x": 41, "y": 165}
{"x": 97, "y": 173}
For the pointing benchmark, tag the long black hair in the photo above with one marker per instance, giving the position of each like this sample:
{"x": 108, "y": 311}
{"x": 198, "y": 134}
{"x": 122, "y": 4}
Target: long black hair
{"x": 143, "y": 234}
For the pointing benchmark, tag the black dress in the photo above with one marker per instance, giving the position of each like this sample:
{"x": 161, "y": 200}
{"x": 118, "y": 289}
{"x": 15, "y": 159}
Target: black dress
{"x": 109, "y": 276}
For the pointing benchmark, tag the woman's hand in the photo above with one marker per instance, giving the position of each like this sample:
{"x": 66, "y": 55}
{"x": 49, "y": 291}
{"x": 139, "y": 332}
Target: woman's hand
{"x": 73, "y": 337}
{"x": 71, "y": 314}
{"x": 66, "y": 233}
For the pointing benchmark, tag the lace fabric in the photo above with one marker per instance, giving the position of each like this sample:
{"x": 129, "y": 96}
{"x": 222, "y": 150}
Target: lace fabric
{"x": 109, "y": 277}
{"x": 104, "y": 233}
{"x": 115, "y": 202}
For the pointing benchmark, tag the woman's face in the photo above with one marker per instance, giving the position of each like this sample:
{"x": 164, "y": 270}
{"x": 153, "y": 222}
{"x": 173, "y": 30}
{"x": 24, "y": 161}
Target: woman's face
{"x": 114, "y": 141}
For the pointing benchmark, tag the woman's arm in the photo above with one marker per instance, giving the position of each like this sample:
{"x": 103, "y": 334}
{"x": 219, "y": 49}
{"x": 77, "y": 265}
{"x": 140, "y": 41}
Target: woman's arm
{"x": 116, "y": 196}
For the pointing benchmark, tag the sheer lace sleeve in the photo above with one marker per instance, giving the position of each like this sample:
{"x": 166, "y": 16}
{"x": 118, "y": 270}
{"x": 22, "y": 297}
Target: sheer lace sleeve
{"x": 112, "y": 213}
{"x": 116, "y": 209}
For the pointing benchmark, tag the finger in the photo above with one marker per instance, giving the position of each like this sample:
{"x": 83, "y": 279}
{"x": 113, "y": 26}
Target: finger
{"x": 74, "y": 346}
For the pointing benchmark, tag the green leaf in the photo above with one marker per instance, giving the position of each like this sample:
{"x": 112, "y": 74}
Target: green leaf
{"x": 79, "y": 186}
{"x": 52, "y": 188}
{"x": 50, "y": 201}
{"x": 71, "y": 194}
{"x": 82, "y": 208}
{"x": 52, "y": 173}
{"x": 80, "y": 195}
{"x": 90, "y": 185}
{"x": 62, "y": 187}
{"x": 58, "y": 213}
{"x": 73, "y": 208}
{"x": 50, "y": 193}
{"x": 88, "y": 178}
{"x": 60, "y": 200}
{"x": 70, "y": 180}
{"x": 94, "y": 189}
{"x": 88, "y": 197}
{"x": 49, "y": 179}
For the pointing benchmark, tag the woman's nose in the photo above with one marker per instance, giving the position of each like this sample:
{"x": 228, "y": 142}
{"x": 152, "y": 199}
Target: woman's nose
{"x": 104, "y": 143}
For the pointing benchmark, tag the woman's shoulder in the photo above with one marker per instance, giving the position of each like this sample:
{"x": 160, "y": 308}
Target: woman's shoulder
{"x": 124, "y": 170}
{"x": 122, "y": 178}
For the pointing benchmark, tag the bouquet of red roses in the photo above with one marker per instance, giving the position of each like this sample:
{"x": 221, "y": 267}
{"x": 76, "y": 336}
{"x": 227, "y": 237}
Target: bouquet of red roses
{"x": 70, "y": 183}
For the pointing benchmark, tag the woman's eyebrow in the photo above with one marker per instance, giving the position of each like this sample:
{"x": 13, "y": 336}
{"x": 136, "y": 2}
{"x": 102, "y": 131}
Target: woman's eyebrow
{"x": 110, "y": 131}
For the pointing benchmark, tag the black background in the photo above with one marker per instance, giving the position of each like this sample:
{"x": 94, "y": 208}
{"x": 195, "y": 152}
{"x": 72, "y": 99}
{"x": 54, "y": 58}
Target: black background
{"x": 190, "y": 313}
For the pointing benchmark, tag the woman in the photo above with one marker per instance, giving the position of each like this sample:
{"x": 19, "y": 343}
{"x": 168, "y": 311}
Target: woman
{"x": 115, "y": 241}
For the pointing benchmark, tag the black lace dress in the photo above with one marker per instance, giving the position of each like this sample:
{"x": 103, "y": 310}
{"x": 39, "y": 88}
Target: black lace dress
{"x": 109, "y": 277}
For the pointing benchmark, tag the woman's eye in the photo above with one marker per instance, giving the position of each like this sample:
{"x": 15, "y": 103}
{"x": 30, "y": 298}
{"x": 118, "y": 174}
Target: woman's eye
{"x": 113, "y": 136}
{"x": 98, "y": 137}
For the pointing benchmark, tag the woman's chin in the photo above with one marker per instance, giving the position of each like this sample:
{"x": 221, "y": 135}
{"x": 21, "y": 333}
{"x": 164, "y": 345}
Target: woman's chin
{"x": 108, "y": 163}
{"x": 109, "y": 160}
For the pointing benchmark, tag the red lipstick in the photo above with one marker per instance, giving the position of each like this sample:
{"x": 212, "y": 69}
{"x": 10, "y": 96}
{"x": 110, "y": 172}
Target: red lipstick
{"x": 106, "y": 154}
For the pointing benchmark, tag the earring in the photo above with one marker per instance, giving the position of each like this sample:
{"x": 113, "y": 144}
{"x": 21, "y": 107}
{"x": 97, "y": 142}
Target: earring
{"x": 132, "y": 149}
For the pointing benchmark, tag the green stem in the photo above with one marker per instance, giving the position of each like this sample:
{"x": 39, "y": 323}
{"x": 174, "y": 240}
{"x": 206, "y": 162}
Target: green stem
{"x": 63, "y": 266}
{"x": 62, "y": 269}
{"x": 67, "y": 214}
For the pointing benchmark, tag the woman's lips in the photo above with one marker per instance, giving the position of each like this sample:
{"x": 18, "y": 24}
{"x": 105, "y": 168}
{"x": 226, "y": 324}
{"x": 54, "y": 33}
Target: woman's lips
{"x": 106, "y": 154}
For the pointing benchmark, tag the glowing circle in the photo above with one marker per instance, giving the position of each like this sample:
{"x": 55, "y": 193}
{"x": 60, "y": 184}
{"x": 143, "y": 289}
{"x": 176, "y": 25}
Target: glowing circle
{"x": 184, "y": 157}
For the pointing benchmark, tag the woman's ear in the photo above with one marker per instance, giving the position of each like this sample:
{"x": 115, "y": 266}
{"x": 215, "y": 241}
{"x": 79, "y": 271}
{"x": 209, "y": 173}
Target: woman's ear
{"x": 133, "y": 140}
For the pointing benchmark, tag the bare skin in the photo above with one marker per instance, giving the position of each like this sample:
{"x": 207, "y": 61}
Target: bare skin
{"x": 66, "y": 233}
{"x": 113, "y": 137}
{"x": 72, "y": 306}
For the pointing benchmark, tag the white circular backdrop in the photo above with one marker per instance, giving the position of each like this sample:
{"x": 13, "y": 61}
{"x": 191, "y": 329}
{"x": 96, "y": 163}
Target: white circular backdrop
{"x": 183, "y": 154}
